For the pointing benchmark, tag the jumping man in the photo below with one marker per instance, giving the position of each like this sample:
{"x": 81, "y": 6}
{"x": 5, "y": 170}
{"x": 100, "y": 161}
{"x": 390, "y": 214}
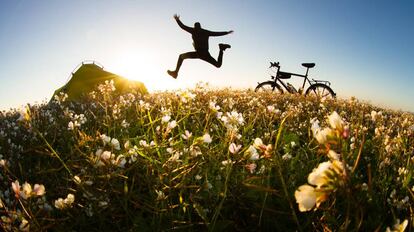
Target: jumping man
{"x": 200, "y": 42}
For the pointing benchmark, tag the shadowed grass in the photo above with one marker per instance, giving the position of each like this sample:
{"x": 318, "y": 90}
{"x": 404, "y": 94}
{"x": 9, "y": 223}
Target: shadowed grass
{"x": 163, "y": 161}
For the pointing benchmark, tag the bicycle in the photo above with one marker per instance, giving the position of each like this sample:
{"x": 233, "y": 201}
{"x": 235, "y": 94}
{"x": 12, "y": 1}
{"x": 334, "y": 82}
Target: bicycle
{"x": 319, "y": 88}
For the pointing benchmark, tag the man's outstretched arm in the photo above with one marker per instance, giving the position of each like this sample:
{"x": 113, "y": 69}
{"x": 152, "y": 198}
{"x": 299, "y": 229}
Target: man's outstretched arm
{"x": 219, "y": 33}
{"x": 184, "y": 27}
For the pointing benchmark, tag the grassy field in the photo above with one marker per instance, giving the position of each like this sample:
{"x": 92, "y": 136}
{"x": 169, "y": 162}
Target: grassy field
{"x": 201, "y": 159}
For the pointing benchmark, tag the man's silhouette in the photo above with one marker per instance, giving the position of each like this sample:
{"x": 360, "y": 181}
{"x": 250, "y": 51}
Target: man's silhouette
{"x": 200, "y": 42}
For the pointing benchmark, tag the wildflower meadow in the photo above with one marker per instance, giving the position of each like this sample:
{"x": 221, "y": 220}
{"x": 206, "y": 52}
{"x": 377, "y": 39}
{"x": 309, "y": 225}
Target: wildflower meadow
{"x": 205, "y": 159}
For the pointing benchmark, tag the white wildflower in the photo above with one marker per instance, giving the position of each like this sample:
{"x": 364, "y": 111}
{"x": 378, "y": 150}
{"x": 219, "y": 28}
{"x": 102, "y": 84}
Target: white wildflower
{"x": 24, "y": 114}
{"x": 24, "y": 225}
{"x": 252, "y": 153}
{"x": 115, "y": 144}
{"x": 160, "y": 195}
{"x": 172, "y": 124}
{"x": 166, "y": 118}
{"x": 16, "y": 188}
{"x": 76, "y": 179}
{"x": 174, "y": 158}
{"x": 258, "y": 143}
{"x": 39, "y": 190}
{"x": 398, "y": 227}
{"x": 402, "y": 171}
{"x": 232, "y": 120}
{"x": 127, "y": 145}
{"x": 213, "y": 106}
{"x": 69, "y": 199}
{"x": 144, "y": 105}
{"x": 3, "y": 163}
{"x": 106, "y": 155}
{"x": 336, "y": 121}
{"x": 373, "y": 115}
{"x": 227, "y": 162}
{"x": 99, "y": 152}
{"x": 125, "y": 124}
{"x": 71, "y": 126}
{"x": 120, "y": 161}
{"x": 26, "y": 190}
{"x": 287, "y": 156}
{"x": 186, "y": 135}
{"x": 322, "y": 135}
{"x": 143, "y": 143}
{"x": 61, "y": 97}
{"x": 106, "y": 139}
{"x": 186, "y": 96}
{"x": 207, "y": 138}
{"x": 333, "y": 155}
{"x": 195, "y": 151}
{"x": 273, "y": 110}
{"x": 307, "y": 197}
{"x": 234, "y": 149}
{"x": 318, "y": 176}
{"x": 64, "y": 203}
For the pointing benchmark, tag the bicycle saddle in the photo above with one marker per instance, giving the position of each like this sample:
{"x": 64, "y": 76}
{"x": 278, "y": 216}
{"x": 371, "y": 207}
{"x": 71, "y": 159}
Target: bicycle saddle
{"x": 308, "y": 65}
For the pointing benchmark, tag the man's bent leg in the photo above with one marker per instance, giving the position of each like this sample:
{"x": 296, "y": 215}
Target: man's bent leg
{"x": 208, "y": 58}
{"x": 220, "y": 58}
{"x": 181, "y": 58}
{"x": 222, "y": 47}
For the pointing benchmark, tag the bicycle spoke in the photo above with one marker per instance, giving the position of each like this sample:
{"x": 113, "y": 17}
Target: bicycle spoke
{"x": 267, "y": 87}
{"x": 326, "y": 95}
{"x": 321, "y": 92}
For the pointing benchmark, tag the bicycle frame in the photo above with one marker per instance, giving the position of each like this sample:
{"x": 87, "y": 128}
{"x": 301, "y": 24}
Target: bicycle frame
{"x": 305, "y": 78}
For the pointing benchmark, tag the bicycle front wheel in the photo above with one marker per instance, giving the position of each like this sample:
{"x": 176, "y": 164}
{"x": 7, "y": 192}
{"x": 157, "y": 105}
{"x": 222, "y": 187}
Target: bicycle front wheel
{"x": 268, "y": 86}
{"x": 320, "y": 91}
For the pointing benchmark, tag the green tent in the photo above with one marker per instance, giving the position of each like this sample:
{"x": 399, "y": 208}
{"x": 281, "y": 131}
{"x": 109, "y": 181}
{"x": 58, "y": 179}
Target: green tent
{"x": 89, "y": 75}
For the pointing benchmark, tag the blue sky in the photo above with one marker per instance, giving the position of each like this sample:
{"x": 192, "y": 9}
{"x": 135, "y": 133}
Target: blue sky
{"x": 364, "y": 48}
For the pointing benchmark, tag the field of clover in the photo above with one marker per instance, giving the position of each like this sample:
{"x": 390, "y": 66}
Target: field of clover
{"x": 205, "y": 159}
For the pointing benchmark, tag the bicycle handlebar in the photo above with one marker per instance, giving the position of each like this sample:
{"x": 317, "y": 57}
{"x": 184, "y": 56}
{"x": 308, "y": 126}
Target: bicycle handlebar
{"x": 274, "y": 64}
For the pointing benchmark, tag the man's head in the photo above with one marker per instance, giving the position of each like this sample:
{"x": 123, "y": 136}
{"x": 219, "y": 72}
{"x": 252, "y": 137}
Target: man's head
{"x": 197, "y": 25}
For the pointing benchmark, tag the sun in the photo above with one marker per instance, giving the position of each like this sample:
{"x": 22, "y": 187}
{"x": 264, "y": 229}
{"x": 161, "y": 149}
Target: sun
{"x": 143, "y": 67}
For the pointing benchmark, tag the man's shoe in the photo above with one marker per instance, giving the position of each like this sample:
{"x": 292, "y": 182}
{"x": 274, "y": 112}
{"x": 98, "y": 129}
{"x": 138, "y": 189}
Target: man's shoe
{"x": 224, "y": 46}
{"x": 172, "y": 73}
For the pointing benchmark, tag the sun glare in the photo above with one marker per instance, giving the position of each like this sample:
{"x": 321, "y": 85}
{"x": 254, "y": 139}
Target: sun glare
{"x": 145, "y": 68}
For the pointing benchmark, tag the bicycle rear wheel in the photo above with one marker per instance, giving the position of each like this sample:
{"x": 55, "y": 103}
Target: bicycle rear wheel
{"x": 320, "y": 91}
{"x": 268, "y": 86}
